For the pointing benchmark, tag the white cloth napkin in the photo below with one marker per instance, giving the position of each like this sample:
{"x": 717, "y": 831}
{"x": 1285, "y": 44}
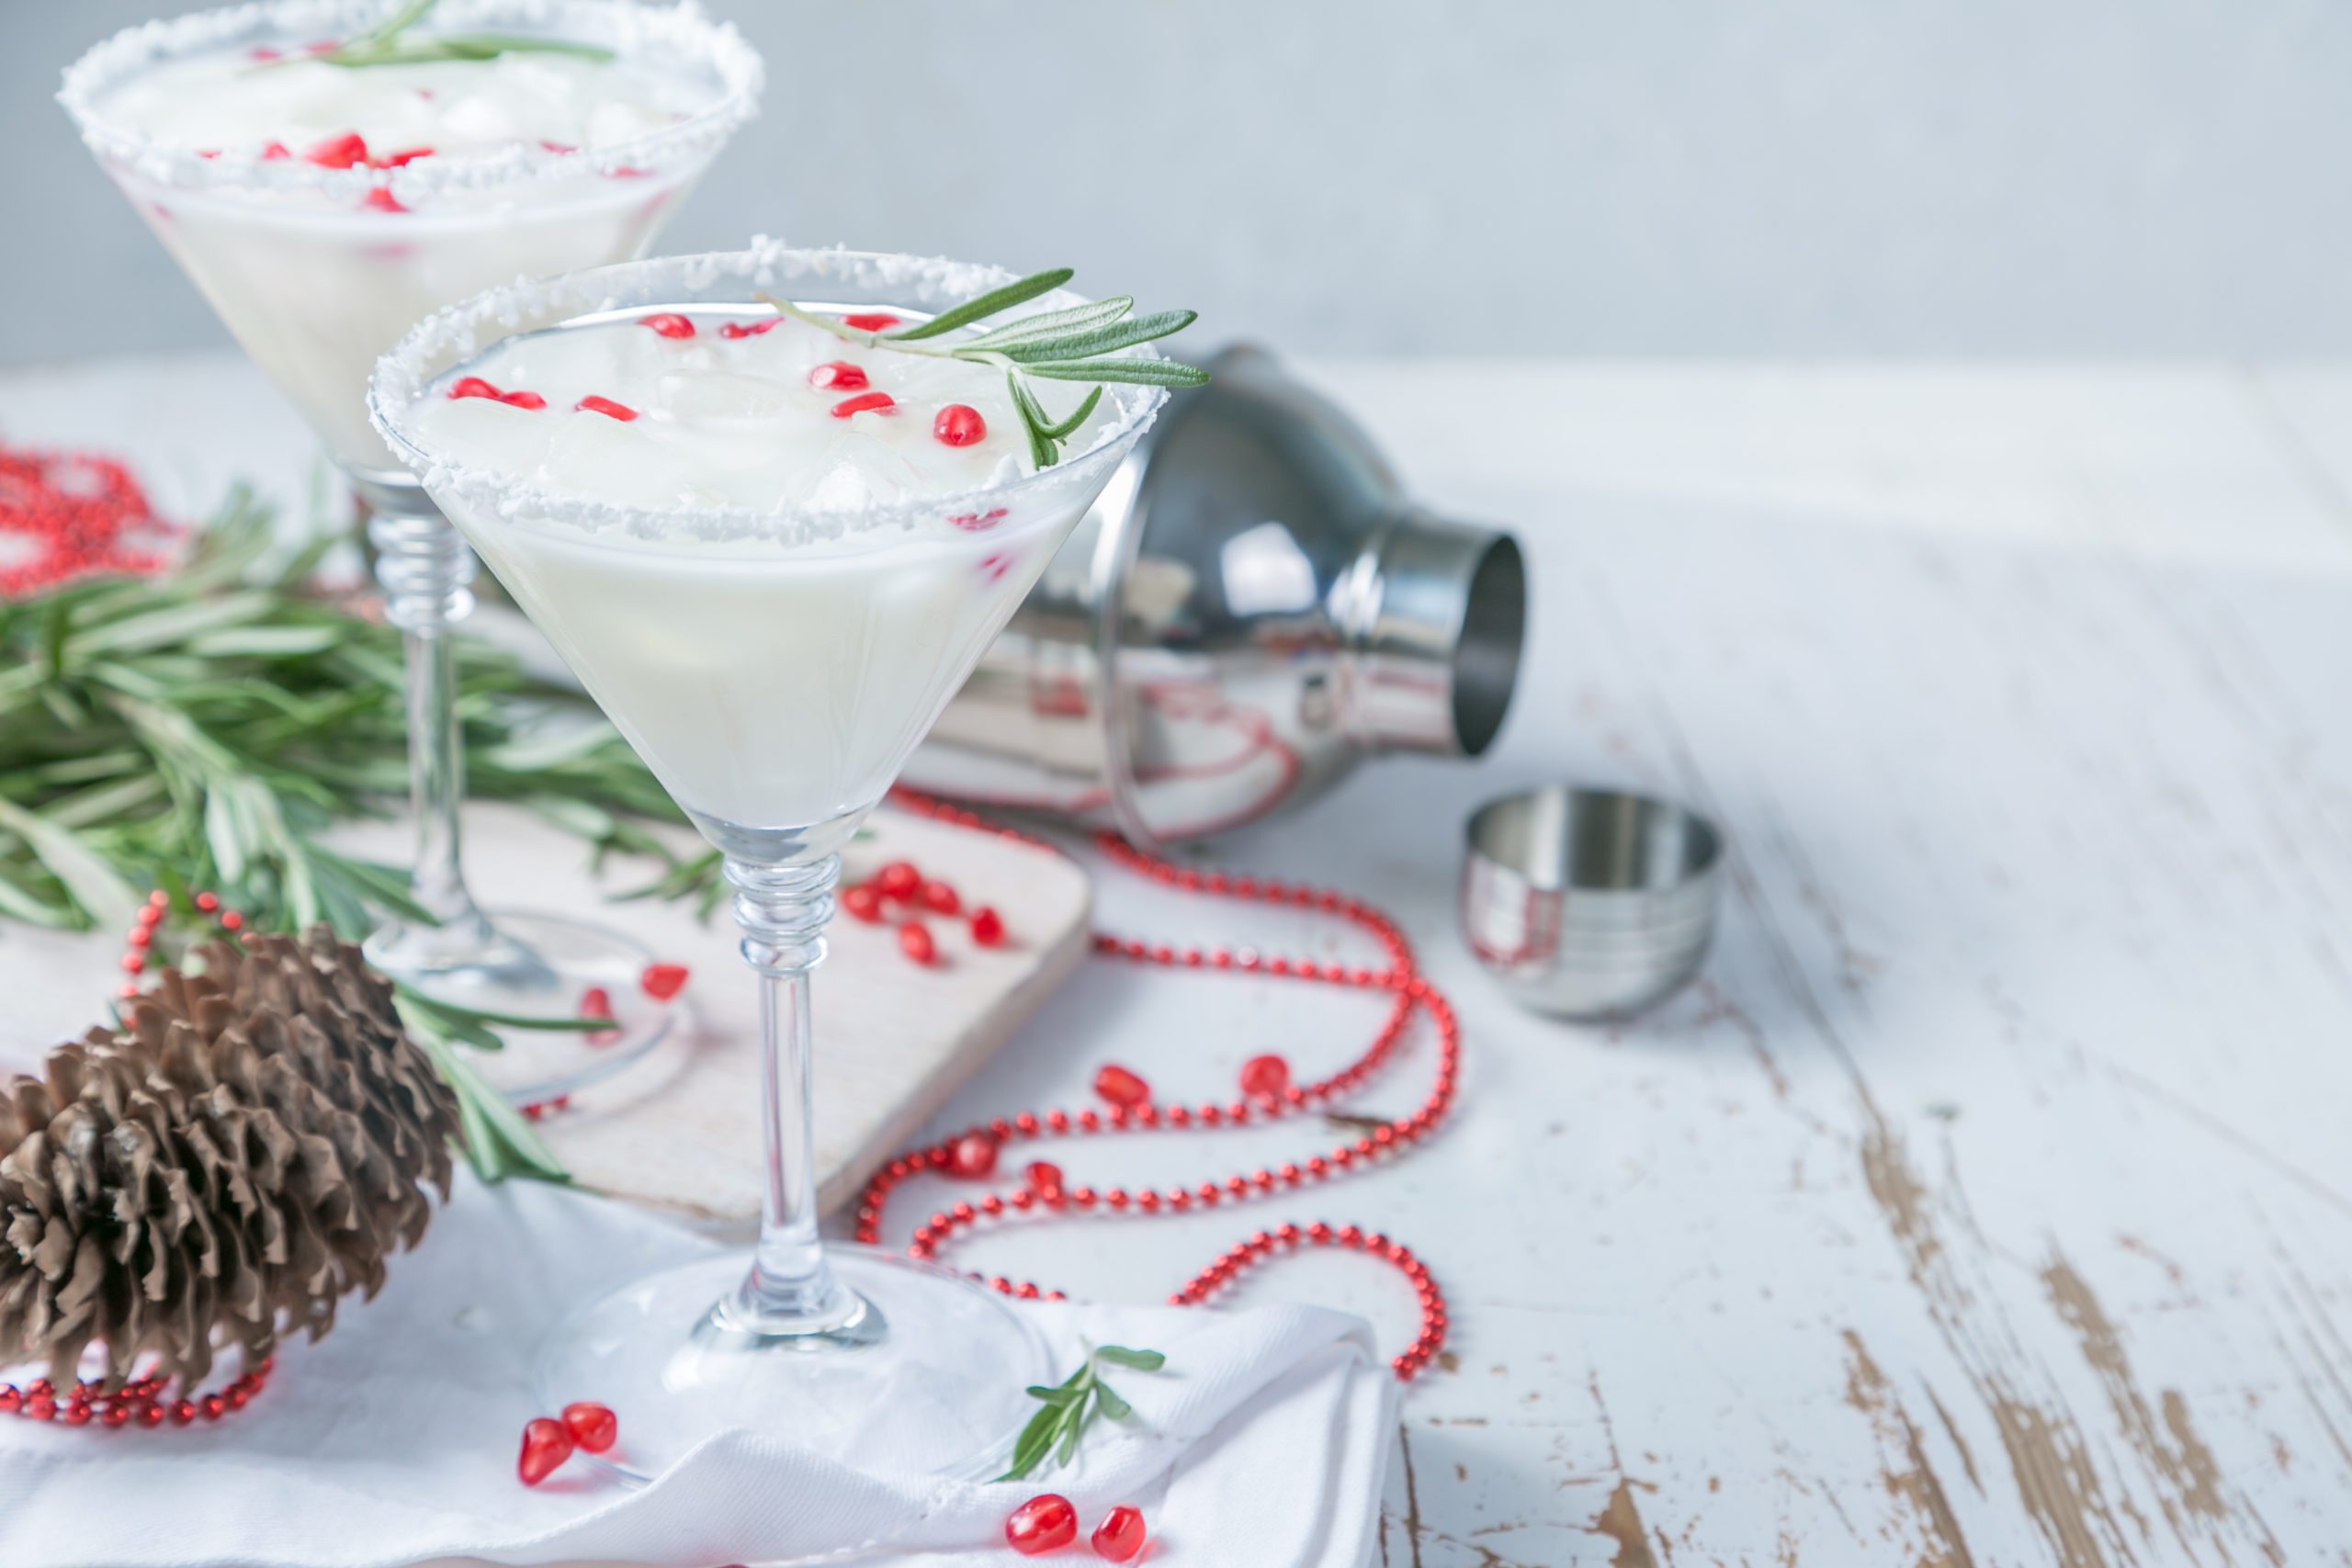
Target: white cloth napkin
{"x": 392, "y": 1441}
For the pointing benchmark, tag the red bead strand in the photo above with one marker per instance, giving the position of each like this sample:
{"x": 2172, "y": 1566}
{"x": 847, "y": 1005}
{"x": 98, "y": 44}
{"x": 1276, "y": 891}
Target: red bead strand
{"x": 138, "y": 1403}
{"x": 1042, "y": 1186}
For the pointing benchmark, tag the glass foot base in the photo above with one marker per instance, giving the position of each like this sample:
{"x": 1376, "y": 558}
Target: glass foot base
{"x": 533, "y": 966}
{"x": 932, "y": 1380}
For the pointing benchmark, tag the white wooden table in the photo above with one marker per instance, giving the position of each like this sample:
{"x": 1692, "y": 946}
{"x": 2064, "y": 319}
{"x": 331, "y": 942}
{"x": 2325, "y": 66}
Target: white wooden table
{"x": 1990, "y": 1202}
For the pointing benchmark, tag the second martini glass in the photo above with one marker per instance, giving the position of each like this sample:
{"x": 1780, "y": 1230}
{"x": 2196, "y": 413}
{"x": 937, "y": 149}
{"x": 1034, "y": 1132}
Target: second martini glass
{"x": 316, "y": 262}
{"x": 774, "y": 667}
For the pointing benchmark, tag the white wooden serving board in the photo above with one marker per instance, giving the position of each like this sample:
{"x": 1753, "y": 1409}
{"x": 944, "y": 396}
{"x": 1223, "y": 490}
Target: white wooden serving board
{"x": 677, "y": 1131}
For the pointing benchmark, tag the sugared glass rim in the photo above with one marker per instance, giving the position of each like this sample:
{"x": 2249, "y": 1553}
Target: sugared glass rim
{"x": 450, "y": 337}
{"x": 625, "y": 27}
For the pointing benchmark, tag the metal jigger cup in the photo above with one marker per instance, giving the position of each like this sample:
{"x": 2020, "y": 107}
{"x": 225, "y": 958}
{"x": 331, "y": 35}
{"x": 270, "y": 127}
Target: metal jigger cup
{"x": 1590, "y": 904}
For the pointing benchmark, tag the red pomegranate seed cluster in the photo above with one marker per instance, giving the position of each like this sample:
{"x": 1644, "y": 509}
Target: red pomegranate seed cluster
{"x": 899, "y": 891}
{"x": 139, "y": 1403}
{"x": 1049, "y": 1522}
{"x": 1269, "y": 1093}
{"x": 662, "y": 982}
{"x": 586, "y": 1428}
{"x": 67, "y": 516}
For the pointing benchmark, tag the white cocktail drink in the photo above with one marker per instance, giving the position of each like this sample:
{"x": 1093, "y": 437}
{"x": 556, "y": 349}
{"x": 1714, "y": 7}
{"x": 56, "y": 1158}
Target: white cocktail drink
{"x": 340, "y": 205}
{"x": 771, "y": 541}
{"x": 330, "y": 171}
{"x": 767, "y": 685}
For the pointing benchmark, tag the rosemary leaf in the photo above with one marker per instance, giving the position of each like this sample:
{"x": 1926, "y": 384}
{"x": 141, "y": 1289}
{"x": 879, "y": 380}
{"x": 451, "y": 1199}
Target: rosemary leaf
{"x": 1054, "y": 323}
{"x": 1101, "y": 339}
{"x": 1138, "y": 372}
{"x": 984, "y": 305}
{"x": 1068, "y": 427}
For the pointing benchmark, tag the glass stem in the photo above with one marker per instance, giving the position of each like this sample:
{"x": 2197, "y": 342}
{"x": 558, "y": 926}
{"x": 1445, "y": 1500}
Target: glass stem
{"x": 426, "y": 572}
{"x": 783, "y": 910}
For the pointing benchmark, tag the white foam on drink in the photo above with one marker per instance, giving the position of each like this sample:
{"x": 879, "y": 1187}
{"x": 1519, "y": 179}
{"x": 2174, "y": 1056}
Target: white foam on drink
{"x": 730, "y": 422}
{"x": 226, "y": 101}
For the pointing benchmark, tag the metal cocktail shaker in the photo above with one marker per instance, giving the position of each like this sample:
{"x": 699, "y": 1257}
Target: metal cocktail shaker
{"x": 1252, "y": 607}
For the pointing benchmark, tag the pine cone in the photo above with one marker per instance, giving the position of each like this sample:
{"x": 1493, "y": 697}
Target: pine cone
{"x": 247, "y": 1148}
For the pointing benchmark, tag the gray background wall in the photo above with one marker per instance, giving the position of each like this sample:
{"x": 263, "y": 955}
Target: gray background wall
{"x": 1512, "y": 176}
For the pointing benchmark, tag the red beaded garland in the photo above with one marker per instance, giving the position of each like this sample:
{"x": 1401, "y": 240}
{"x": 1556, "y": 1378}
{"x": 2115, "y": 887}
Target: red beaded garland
{"x": 68, "y": 515}
{"x": 1277, "y": 1096}
{"x": 139, "y": 1403}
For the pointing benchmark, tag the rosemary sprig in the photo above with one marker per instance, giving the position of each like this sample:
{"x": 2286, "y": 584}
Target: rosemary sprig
{"x": 1070, "y": 1406}
{"x": 385, "y": 43}
{"x": 204, "y": 729}
{"x": 1080, "y": 342}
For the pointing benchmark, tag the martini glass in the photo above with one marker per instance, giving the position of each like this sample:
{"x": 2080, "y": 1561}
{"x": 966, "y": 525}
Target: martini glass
{"x": 775, "y": 668}
{"x": 315, "y": 271}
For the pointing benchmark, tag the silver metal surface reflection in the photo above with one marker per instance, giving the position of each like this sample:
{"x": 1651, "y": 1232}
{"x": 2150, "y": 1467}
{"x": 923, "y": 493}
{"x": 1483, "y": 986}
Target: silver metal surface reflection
{"x": 1251, "y": 608}
{"x": 1585, "y": 904}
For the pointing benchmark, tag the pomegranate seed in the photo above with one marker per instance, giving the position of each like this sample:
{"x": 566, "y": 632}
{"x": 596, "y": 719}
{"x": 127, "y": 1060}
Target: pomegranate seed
{"x": 987, "y": 927}
{"x": 863, "y": 901}
{"x": 973, "y": 1155}
{"x": 1265, "y": 1078}
{"x": 592, "y": 1426}
{"x": 546, "y": 1444}
{"x": 592, "y": 403}
{"x": 400, "y": 159}
{"x": 274, "y": 152}
{"x": 865, "y": 403}
{"x": 669, "y": 323}
{"x": 900, "y": 879}
{"x": 870, "y": 321}
{"x": 1120, "y": 1086}
{"x": 208, "y": 902}
{"x": 915, "y": 941}
{"x": 837, "y": 375}
{"x": 749, "y": 329}
{"x": 1043, "y": 1176}
{"x": 1120, "y": 1535}
{"x": 208, "y": 152}
{"x": 1042, "y": 1524}
{"x": 662, "y": 981}
{"x": 597, "y": 1002}
{"x": 959, "y": 424}
{"x": 475, "y": 387}
{"x": 382, "y": 200}
{"x": 558, "y": 147}
{"x": 975, "y": 522}
{"x": 344, "y": 151}
{"x": 264, "y": 52}
{"x": 939, "y": 898}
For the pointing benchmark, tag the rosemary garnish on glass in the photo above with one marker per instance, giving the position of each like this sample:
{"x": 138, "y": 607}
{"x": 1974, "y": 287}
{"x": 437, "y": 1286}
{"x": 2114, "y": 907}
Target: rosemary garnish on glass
{"x": 1077, "y": 343}
{"x": 385, "y": 43}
